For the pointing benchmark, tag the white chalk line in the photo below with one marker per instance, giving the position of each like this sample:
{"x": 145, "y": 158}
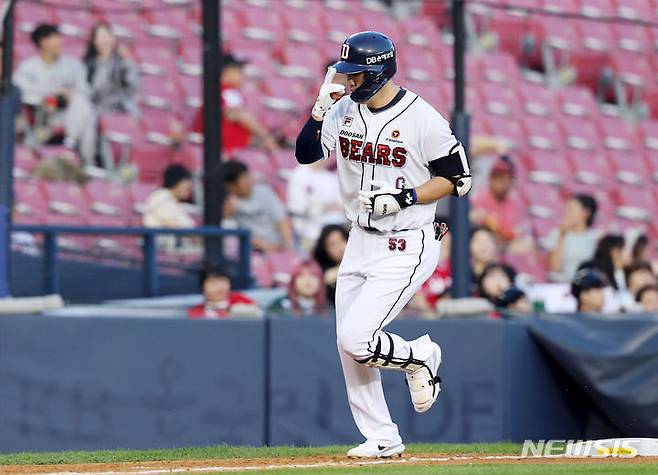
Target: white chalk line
{"x": 338, "y": 464}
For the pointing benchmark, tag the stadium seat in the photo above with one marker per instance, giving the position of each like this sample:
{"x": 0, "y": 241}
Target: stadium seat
{"x": 597, "y": 8}
{"x": 577, "y": 101}
{"x": 159, "y": 92}
{"x": 151, "y": 159}
{"x": 260, "y": 165}
{"x": 498, "y": 99}
{"x": 303, "y": 26}
{"x": 305, "y": 60}
{"x": 24, "y": 161}
{"x": 629, "y": 167}
{"x": 648, "y": 130}
{"x": 511, "y": 31}
{"x": 158, "y": 61}
{"x": 29, "y": 15}
{"x": 595, "y": 35}
{"x": 261, "y": 270}
{"x": 121, "y": 128}
{"x": 138, "y": 193}
{"x": 633, "y": 38}
{"x": 538, "y": 100}
{"x": 108, "y": 198}
{"x": 633, "y": 202}
{"x": 30, "y": 202}
{"x": 506, "y": 131}
{"x": 543, "y": 133}
{"x": 282, "y": 264}
{"x": 637, "y": 9}
{"x": 591, "y": 168}
{"x": 619, "y": 134}
{"x": 580, "y": 134}
{"x": 75, "y": 22}
{"x": 547, "y": 167}
{"x": 562, "y": 6}
{"x": 544, "y": 200}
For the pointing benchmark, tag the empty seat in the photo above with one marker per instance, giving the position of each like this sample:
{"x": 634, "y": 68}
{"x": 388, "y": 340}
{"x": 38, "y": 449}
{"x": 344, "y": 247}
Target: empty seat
{"x": 108, "y": 198}
{"x": 581, "y": 134}
{"x": 67, "y": 198}
{"x": 24, "y": 161}
{"x": 30, "y": 202}
{"x": 543, "y": 133}
{"x": 591, "y": 168}
{"x": 597, "y": 8}
{"x": 628, "y": 167}
{"x": 500, "y": 100}
{"x": 547, "y": 167}
{"x": 139, "y": 192}
{"x": 633, "y": 38}
{"x": 159, "y": 92}
{"x": 260, "y": 165}
{"x": 648, "y": 130}
{"x": 121, "y": 128}
{"x": 282, "y": 264}
{"x": 577, "y": 101}
{"x": 151, "y": 159}
{"x": 544, "y": 201}
{"x": 537, "y": 99}
{"x": 619, "y": 134}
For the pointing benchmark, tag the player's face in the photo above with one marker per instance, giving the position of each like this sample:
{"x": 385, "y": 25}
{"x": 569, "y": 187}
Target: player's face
{"x": 592, "y": 300}
{"x": 307, "y": 284}
{"x": 649, "y": 301}
{"x": 216, "y": 289}
{"x": 354, "y": 81}
{"x": 335, "y": 245}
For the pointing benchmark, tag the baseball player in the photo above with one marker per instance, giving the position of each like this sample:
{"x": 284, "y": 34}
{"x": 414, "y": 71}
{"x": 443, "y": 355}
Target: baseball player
{"x": 396, "y": 157}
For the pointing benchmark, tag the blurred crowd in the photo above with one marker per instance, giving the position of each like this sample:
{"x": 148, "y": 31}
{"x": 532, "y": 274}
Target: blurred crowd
{"x": 588, "y": 270}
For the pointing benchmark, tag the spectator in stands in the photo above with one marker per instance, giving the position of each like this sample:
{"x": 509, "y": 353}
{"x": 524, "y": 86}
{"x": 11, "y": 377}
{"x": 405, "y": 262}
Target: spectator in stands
{"x": 498, "y": 207}
{"x": 313, "y": 200}
{"x": 483, "y": 251}
{"x": 240, "y": 124}
{"x": 328, "y": 253}
{"x": 438, "y": 285}
{"x": 514, "y": 300}
{"x": 587, "y": 288}
{"x": 219, "y": 301}
{"x": 609, "y": 260}
{"x": 55, "y": 87}
{"x": 163, "y": 208}
{"x": 306, "y": 294}
{"x": 647, "y": 298}
{"x": 575, "y": 240}
{"x": 494, "y": 279}
{"x": 637, "y": 275}
{"x": 257, "y": 208}
{"x": 111, "y": 72}
{"x": 640, "y": 250}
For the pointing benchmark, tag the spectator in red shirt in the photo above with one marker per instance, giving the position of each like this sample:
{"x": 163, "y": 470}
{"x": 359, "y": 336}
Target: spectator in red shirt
{"x": 239, "y": 124}
{"x": 498, "y": 207}
{"x": 219, "y": 301}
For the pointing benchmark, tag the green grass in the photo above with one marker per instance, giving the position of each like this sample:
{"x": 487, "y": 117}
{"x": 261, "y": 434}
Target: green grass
{"x": 227, "y": 452}
{"x": 498, "y": 469}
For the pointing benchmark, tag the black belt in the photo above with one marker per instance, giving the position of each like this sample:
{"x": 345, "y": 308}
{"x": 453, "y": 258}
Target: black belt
{"x": 378, "y": 231}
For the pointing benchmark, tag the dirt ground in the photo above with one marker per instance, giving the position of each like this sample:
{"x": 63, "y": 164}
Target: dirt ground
{"x": 261, "y": 464}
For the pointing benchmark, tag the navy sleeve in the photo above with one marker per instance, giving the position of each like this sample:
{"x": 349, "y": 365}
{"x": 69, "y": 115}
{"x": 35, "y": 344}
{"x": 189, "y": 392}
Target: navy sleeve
{"x": 308, "y": 148}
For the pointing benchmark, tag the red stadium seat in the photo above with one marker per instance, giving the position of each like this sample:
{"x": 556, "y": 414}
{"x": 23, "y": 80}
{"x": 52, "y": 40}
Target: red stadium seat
{"x": 139, "y": 192}
{"x": 260, "y": 165}
{"x": 596, "y": 35}
{"x": 648, "y": 130}
{"x": 597, "y": 8}
{"x": 282, "y": 264}
{"x": 544, "y": 201}
{"x": 303, "y": 26}
{"x": 287, "y": 94}
{"x": 261, "y": 270}
{"x": 543, "y": 134}
{"x": 547, "y": 167}
{"x": 24, "y": 161}
{"x": 500, "y": 68}
{"x": 633, "y": 202}
{"x": 305, "y": 58}
{"x": 577, "y": 101}
{"x": 108, "y": 198}
{"x": 159, "y": 61}
{"x": 75, "y": 22}
{"x": 511, "y": 30}
{"x": 121, "y": 128}
{"x": 633, "y": 38}
{"x": 538, "y": 100}
{"x": 637, "y": 9}
{"x": 563, "y": 6}
{"x": 151, "y": 159}
{"x": 581, "y": 134}
{"x": 29, "y": 15}
{"x": 506, "y": 131}
{"x": 498, "y": 99}
{"x": 558, "y": 36}
{"x": 628, "y": 167}
{"x": 591, "y": 168}
{"x": 30, "y": 202}
{"x": 619, "y": 134}
{"x": 67, "y": 198}
{"x": 159, "y": 92}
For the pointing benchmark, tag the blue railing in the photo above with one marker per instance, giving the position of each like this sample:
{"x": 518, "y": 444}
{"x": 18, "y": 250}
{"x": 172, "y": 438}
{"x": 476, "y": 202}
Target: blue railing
{"x": 149, "y": 249}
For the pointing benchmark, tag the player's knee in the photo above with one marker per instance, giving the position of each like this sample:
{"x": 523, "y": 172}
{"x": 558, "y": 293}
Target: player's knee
{"x": 352, "y": 342}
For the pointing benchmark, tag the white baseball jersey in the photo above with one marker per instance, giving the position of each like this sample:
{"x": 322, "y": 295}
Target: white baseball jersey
{"x": 394, "y": 145}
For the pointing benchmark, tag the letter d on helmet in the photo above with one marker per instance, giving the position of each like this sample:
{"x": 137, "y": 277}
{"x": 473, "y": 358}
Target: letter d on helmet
{"x": 371, "y": 53}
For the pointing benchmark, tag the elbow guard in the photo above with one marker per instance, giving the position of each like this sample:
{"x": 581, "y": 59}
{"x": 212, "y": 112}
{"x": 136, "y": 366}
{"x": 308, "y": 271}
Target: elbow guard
{"x": 454, "y": 167}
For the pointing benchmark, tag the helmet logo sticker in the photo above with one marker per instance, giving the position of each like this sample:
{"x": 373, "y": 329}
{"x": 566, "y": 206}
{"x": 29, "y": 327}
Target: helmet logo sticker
{"x": 345, "y": 51}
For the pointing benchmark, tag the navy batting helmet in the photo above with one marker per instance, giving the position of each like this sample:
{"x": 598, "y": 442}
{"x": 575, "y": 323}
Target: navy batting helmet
{"x": 371, "y": 53}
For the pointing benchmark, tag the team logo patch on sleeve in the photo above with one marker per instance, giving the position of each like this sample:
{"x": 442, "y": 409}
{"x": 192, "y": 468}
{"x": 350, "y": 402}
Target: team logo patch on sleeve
{"x": 347, "y": 121}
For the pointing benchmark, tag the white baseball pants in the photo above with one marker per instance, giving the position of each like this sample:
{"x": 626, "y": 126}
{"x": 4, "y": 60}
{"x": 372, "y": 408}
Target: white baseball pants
{"x": 377, "y": 277}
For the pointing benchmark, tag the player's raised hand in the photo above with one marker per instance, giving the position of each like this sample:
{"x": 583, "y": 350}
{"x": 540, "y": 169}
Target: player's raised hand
{"x": 386, "y": 199}
{"x": 330, "y": 92}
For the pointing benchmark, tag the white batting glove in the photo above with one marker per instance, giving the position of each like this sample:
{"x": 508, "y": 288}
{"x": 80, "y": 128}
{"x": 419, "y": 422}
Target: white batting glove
{"x": 387, "y": 199}
{"x": 324, "y": 101}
